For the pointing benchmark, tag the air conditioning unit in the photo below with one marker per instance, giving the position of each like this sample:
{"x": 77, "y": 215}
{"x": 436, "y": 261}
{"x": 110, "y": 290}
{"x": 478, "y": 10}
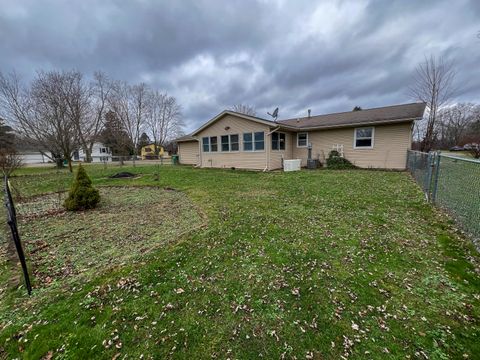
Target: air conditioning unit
{"x": 292, "y": 165}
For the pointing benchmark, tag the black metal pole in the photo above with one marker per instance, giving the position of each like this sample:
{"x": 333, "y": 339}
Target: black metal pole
{"x": 12, "y": 223}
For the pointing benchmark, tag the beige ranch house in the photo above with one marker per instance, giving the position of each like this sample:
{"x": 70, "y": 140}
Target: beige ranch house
{"x": 369, "y": 138}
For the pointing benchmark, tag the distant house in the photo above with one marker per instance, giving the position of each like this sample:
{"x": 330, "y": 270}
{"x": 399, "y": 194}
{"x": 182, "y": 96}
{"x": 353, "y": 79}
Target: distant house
{"x": 32, "y": 153}
{"x": 369, "y": 138}
{"x": 32, "y": 156}
{"x": 100, "y": 153}
{"x": 148, "y": 152}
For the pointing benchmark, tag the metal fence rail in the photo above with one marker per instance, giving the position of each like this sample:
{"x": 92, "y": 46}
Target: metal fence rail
{"x": 452, "y": 183}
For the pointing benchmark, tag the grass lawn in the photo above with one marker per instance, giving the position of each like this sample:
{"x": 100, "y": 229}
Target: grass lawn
{"x": 315, "y": 265}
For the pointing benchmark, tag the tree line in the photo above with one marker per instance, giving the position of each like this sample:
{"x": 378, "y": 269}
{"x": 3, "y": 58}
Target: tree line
{"x": 446, "y": 124}
{"x": 59, "y": 112}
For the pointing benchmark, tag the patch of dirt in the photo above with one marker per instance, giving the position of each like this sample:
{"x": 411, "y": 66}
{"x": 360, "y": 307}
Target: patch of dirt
{"x": 122, "y": 175}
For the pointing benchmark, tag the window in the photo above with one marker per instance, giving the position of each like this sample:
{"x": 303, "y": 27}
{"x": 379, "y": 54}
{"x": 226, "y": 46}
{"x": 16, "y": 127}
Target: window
{"x": 363, "y": 138}
{"x": 278, "y": 141}
{"x": 213, "y": 143}
{"x": 225, "y": 143}
{"x": 254, "y": 141}
{"x": 259, "y": 141}
{"x": 247, "y": 142}
{"x": 103, "y": 150}
{"x": 234, "y": 142}
{"x": 206, "y": 144}
{"x": 302, "y": 139}
{"x": 229, "y": 142}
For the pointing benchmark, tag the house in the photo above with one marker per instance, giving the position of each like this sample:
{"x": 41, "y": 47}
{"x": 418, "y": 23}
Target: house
{"x": 148, "y": 152}
{"x": 370, "y": 138}
{"x": 32, "y": 156}
{"x": 32, "y": 153}
{"x": 100, "y": 153}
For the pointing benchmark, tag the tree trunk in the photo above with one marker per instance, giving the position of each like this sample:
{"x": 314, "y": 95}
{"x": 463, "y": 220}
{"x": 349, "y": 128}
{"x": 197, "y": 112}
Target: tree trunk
{"x": 70, "y": 167}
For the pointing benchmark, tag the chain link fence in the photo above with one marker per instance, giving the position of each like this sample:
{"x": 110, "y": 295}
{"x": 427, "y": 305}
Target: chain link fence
{"x": 452, "y": 183}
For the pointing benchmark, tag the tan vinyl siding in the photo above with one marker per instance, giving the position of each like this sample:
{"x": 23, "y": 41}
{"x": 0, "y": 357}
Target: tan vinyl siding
{"x": 238, "y": 159}
{"x": 391, "y": 143}
{"x": 275, "y": 156}
{"x": 188, "y": 152}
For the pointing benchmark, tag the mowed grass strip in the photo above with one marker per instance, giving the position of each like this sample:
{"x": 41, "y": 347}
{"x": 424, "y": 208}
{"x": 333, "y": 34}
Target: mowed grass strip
{"x": 318, "y": 264}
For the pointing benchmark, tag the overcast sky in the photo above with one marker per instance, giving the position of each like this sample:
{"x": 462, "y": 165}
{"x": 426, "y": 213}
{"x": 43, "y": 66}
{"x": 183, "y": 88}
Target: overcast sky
{"x": 326, "y": 55}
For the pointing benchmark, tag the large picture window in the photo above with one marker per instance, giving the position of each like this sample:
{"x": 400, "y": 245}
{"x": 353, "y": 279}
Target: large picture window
{"x": 363, "y": 138}
{"x": 278, "y": 141}
{"x": 302, "y": 139}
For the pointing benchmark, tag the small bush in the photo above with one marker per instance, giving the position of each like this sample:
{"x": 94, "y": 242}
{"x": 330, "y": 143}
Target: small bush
{"x": 82, "y": 195}
{"x": 335, "y": 161}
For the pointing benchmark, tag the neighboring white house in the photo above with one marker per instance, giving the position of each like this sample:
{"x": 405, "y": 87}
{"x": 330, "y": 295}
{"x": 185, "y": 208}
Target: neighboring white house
{"x": 100, "y": 153}
{"x": 35, "y": 157}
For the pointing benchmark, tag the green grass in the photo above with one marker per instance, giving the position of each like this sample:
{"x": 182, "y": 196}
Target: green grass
{"x": 324, "y": 263}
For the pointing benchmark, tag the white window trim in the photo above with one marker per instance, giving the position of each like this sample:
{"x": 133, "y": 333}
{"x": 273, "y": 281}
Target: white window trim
{"x": 271, "y": 141}
{"x": 303, "y": 146}
{"x": 355, "y": 138}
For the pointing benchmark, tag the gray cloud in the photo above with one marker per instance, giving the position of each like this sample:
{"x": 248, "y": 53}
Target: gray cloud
{"x": 327, "y": 56}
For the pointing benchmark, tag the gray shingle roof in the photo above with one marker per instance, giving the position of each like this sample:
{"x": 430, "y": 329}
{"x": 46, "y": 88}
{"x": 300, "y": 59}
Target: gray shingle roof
{"x": 385, "y": 114}
{"x": 185, "y": 138}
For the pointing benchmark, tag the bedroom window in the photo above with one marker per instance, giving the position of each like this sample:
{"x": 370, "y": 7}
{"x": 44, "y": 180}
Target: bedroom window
{"x": 363, "y": 138}
{"x": 302, "y": 139}
{"x": 278, "y": 141}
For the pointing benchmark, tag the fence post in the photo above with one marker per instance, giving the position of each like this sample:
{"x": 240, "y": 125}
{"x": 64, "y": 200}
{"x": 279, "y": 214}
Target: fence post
{"x": 428, "y": 178}
{"x": 12, "y": 223}
{"x": 435, "y": 179}
{"x": 414, "y": 163}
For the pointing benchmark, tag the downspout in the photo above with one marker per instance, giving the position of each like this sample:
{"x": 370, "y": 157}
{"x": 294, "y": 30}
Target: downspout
{"x": 267, "y": 149}
{"x": 199, "y": 165}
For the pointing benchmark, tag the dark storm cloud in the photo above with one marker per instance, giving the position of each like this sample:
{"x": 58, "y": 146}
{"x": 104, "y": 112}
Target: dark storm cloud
{"x": 327, "y": 56}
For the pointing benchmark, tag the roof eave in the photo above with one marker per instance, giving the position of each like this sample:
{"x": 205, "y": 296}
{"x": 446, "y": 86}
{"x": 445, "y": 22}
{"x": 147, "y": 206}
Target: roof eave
{"x": 382, "y": 122}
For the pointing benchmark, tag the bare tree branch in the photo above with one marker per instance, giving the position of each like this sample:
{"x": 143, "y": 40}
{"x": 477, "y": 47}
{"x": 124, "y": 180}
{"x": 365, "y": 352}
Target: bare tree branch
{"x": 433, "y": 86}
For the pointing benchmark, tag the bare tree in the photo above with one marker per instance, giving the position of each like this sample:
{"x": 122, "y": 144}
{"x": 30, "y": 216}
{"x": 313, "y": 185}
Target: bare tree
{"x": 434, "y": 86}
{"x": 244, "y": 109}
{"x": 454, "y": 123}
{"x": 129, "y": 103}
{"x": 42, "y": 112}
{"x": 163, "y": 118}
{"x": 91, "y": 99}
